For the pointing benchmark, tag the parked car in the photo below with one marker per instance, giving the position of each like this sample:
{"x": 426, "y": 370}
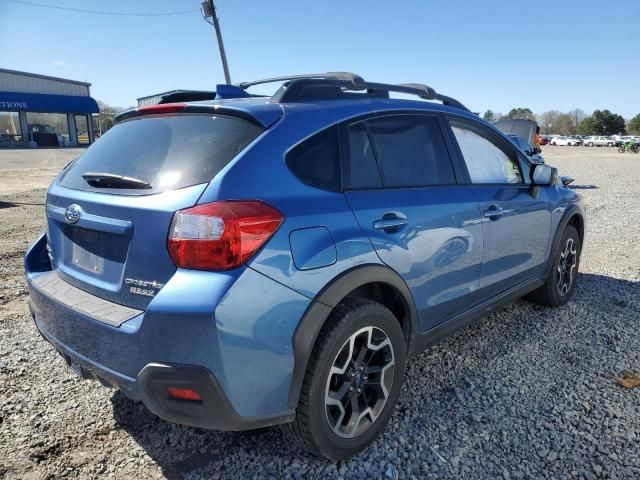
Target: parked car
{"x": 577, "y": 138}
{"x": 256, "y": 261}
{"x": 544, "y": 140}
{"x": 599, "y": 141}
{"x": 565, "y": 141}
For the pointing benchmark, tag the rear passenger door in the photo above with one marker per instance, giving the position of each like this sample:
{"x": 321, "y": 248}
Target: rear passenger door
{"x": 516, "y": 219}
{"x": 401, "y": 184}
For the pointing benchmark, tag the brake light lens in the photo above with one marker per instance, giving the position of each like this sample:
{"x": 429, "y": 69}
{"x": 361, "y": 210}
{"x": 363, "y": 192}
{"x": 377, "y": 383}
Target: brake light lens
{"x": 221, "y": 235}
{"x": 163, "y": 108}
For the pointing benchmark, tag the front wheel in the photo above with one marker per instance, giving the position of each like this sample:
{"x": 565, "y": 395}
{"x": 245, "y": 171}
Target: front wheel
{"x": 560, "y": 284}
{"x": 352, "y": 382}
{"x": 591, "y": 144}
{"x": 620, "y": 149}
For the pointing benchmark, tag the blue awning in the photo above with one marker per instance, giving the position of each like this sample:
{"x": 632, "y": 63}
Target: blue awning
{"x": 38, "y": 102}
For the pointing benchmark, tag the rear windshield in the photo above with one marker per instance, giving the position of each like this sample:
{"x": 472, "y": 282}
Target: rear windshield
{"x": 167, "y": 152}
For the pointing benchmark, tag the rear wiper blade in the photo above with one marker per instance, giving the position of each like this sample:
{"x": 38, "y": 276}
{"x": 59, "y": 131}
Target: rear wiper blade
{"x": 112, "y": 180}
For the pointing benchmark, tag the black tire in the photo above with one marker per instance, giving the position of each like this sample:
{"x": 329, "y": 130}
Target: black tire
{"x": 312, "y": 428}
{"x": 621, "y": 149}
{"x": 557, "y": 291}
{"x": 609, "y": 144}
{"x": 591, "y": 144}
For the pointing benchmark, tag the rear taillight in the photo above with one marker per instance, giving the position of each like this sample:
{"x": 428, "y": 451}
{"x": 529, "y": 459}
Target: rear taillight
{"x": 221, "y": 235}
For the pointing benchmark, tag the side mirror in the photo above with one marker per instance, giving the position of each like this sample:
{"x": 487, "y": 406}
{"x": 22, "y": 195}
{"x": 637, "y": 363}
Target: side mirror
{"x": 537, "y": 158}
{"x": 541, "y": 174}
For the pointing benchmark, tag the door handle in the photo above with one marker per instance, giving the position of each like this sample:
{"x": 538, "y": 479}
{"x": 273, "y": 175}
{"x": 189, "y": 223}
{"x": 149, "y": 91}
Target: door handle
{"x": 390, "y": 222}
{"x": 493, "y": 212}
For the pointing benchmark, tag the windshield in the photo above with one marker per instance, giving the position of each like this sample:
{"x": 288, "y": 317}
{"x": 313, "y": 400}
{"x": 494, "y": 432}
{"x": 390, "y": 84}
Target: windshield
{"x": 166, "y": 152}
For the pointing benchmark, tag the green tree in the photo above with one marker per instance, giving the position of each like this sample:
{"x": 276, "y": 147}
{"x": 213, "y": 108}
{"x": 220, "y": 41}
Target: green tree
{"x": 521, "y": 113}
{"x": 489, "y": 116}
{"x": 564, "y": 125}
{"x": 602, "y": 122}
{"x": 633, "y": 126}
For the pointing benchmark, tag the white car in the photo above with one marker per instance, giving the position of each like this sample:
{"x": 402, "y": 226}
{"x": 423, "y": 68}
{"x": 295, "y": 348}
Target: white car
{"x": 599, "y": 141}
{"x": 564, "y": 141}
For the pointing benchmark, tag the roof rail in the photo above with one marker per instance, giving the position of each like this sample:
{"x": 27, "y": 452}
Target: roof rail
{"x": 305, "y": 89}
{"x": 354, "y": 79}
{"x": 316, "y": 86}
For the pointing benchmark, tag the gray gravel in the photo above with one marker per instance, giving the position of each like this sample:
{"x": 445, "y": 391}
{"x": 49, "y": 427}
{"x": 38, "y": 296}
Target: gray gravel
{"x": 527, "y": 392}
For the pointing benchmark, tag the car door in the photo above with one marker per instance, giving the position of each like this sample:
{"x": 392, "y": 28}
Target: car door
{"x": 516, "y": 218}
{"x": 401, "y": 184}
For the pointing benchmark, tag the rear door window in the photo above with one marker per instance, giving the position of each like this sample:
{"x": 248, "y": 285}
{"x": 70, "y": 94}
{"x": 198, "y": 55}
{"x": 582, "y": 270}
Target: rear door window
{"x": 167, "y": 151}
{"x": 362, "y": 170}
{"x": 411, "y": 151}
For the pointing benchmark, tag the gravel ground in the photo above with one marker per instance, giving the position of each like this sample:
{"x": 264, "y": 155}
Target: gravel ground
{"x": 526, "y": 392}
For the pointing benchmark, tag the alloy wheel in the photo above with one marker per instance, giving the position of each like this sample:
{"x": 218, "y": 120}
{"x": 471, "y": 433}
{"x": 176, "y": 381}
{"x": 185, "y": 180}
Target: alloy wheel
{"x": 359, "y": 382}
{"x": 566, "y": 267}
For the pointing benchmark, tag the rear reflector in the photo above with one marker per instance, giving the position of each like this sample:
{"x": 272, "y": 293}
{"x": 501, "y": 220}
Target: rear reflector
{"x": 184, "y": 394}
{"x": 221, "y": 235}
{"x": 163, "y": 108}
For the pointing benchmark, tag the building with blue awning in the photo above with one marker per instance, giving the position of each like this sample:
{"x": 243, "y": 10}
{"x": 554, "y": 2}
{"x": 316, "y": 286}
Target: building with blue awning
{"x": 38, "y": 110}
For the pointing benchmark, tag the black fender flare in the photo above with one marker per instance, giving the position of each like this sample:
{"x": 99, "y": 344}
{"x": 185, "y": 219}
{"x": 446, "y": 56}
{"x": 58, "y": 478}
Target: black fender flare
{"x": 573, "y": 210}
{"x": 327, "y": 299}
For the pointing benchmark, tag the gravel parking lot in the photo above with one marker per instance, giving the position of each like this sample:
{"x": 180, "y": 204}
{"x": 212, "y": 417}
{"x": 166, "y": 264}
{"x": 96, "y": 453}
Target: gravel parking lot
{"x": 526, "y": 392}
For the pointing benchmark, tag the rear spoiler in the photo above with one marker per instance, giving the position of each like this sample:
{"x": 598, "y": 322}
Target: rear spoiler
{"x": 264, "y": 115}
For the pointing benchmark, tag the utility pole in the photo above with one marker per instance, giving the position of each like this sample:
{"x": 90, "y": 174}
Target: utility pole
{"x": 209, "y": 11}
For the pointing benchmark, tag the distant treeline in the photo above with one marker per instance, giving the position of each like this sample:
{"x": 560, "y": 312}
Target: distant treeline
{"x": 600, "y": 122}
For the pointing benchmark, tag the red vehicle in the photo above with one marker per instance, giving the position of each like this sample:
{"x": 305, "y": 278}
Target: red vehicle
{"x": 544, "y": 140}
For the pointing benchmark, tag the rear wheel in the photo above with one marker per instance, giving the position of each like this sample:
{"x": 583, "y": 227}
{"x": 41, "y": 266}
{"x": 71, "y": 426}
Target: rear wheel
{"x": 352, "y": 382}
{"x": 560, "y": 284}
{"x": 591, "y": 144}
{"x": 620, "y": 149}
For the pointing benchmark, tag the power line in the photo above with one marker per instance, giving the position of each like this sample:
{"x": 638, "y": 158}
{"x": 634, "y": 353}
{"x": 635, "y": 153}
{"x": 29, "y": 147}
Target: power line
{"x": 100, "y": 12}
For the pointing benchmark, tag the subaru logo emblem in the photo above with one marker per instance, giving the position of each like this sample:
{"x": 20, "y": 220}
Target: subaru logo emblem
{"x": 72, "y": 213}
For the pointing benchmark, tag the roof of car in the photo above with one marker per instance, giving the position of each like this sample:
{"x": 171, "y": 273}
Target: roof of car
{"x": 331, "y": 97}
{"x": 264, "y": 111}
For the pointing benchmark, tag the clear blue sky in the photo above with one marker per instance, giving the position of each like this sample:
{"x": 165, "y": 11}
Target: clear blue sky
{"x": 496, "y": 54}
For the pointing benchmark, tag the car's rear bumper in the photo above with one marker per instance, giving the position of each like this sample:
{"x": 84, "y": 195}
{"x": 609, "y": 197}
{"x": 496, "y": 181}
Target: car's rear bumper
{"x": 212, "y": 331}
{"x": 214, "y": 411}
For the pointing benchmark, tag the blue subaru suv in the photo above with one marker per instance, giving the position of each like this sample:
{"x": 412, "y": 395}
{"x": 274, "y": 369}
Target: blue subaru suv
{"x": 236, "y": 261}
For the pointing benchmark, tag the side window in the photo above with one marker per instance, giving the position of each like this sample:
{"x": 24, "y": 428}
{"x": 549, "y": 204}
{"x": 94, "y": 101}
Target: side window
{"x": 411, "y": 151}
{"x": 486, "y": 162}
{"x": 316, "y": 161}
{"x": 361, "y": 171}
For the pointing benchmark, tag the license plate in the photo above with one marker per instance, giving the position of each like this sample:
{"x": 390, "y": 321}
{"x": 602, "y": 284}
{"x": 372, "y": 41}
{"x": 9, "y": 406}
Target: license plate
{"x": 86, "y": 260}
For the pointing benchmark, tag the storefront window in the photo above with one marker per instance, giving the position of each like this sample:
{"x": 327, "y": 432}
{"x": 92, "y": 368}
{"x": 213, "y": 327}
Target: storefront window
{"x": 10, "y": 131}
{"x": 48, "y": 129}
{"x": 82, "y": 129}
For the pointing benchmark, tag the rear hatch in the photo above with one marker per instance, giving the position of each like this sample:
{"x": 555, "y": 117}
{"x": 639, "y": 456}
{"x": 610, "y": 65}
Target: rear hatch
{"x": 523, "y": 128}
{"x": 109, "y": 212}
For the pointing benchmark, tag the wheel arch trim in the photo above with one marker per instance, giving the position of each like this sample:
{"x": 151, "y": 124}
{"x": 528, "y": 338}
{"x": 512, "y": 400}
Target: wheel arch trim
{"x": 573, "y": 211}
{"x": 327, "y": 299}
